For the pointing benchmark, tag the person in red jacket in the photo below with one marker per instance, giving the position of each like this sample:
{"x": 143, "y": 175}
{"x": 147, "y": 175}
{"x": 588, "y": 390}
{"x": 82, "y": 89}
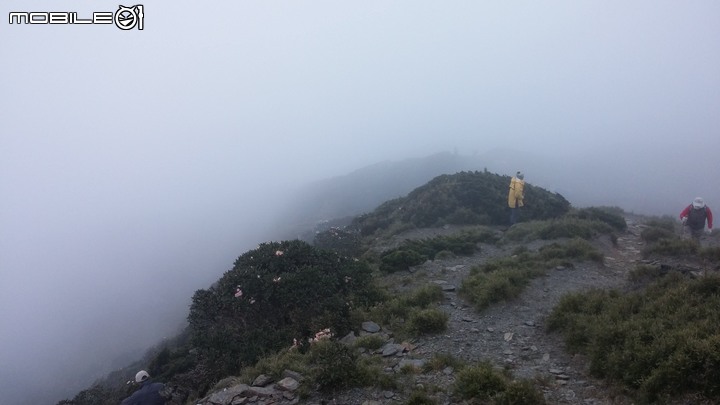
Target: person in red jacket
{"x": 694, "y": 217}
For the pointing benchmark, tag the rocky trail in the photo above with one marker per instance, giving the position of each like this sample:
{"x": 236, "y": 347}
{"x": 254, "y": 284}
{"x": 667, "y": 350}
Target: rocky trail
{"x": 510, "y": 335}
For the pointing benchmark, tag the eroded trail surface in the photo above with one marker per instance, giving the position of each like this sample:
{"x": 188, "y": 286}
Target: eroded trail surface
{"x": 512, "y": 334}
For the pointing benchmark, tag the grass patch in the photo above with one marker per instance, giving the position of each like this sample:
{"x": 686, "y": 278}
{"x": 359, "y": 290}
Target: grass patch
{"x": 654, "y": 234}
{"x": 672, "y": 247}
{"x": 370, "y": 342}
{"x": 663, "y": 342}
{"x": 420, "y": 398}
{"x": 482, "y": 384}
{"x": 710, "y": 253}
{"x": 665, "y": 222}
{"x": 644, "y": 274}
{"x": 333, "y": 365}
{"x": 440, "y": 361}
{"x": 428, "y": 321}
{"x": 411, "y": 314}
{"x": 274, "y": 365}
{"x": 583, "y": 223}
{"x": 658, "y": 228}
{"x": 505, "y": 278}
{"x": 415, "y": 252}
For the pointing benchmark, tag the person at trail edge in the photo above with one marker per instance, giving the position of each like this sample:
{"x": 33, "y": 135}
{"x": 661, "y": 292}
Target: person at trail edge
{"x": 694, "y": 217}
{"x": 149, "y": 392}
{"x": 516, "y": 196}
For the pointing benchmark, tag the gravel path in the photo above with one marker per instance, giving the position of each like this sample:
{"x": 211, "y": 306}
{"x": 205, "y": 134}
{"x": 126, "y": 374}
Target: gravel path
{"x": 512, "y": 335}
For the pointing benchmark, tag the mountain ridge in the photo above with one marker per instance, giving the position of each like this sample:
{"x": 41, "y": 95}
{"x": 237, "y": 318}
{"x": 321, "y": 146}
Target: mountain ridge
{"x": 501, "y": 189}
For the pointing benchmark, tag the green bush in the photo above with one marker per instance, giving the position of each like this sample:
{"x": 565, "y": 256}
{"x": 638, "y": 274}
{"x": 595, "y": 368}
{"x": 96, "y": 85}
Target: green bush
{"x": 645, "y": 274}
{"x": 565, "y": 227}
{"x": 372, "y": 342}
{"x": 711, "y": 253}
{"x": 611, "y": 216}
{"x": 521, "y": 392}
{"x": 333, "y": 365}
{"x": 414, "y": 252}
{"x": 663, "y": 341}
{"x": 274, "y": 365}
{"x": 424, "y": 296}
{"x": 445, "y": 255}
{"x": 482, "y": 384}
{"x": 654, "y": 234}
{"x": 439, "y": 361}
{"x": 428, "y": 321}
{"x": 290, "y": 290}
{"x": 484, "y": 289}
{"x": 505, "y": 278}
{"x": 479, "y": 382}
{"x": 411, "y": 313}
{"x": 667, "y": 223}
{"x": 344, "y": 242}
{"x": 400, "y": 260}
{"x": 576, "y": 249}
{"x": 420, "y": 398}
{"x": 370, "y": 373}
{"x": 672, "y": 247}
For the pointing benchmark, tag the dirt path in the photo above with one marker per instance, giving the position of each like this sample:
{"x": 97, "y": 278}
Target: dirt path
{"x": 512, "y": 334}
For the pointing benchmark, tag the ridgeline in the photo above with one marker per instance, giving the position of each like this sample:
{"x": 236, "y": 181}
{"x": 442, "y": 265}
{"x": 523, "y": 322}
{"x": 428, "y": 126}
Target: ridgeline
{"x": 382, "y": 310}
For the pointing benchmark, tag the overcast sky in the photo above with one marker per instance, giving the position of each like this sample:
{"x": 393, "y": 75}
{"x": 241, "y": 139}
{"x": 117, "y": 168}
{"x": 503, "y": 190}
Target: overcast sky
{"x": 135, "y": 166}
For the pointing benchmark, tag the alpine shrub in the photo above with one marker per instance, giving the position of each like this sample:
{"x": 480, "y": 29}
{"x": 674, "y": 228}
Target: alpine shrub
{"x": 333, "y": 364}
{"x": 662, "y": 342}
{"x": 427, "y": 321}
{"x": 400, "y": 260}
{"x": 274, "y": 294}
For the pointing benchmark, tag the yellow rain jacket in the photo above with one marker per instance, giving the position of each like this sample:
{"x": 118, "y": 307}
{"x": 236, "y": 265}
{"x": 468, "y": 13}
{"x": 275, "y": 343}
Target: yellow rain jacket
{"x": 515, "y": 196}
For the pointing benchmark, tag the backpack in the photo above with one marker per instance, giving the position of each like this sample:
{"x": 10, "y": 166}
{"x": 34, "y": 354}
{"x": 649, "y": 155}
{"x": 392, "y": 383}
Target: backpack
{"x": 697, "y": 217}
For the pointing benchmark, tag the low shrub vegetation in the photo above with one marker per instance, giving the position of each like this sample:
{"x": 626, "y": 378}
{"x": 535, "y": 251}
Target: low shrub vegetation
{"x": 658, "y": 228}
{"x": 274, "y": 365}
{"x": 415, "y": 252}
{"x": 665, "y": 222}
{"x": 654, "y": 234}
{"x": 672, "y": 247}
{"x": 440, "y": 361}
{"x": 505, "y": 278}
{"x": 332, "y": 365}
{"x": 371, "y": 342}
{"x": 411, "y": 314}
{"x": 345, "y": 242}
{"x": 711, "y": 253}
{"x": 420, "y": 398}
{"x": 276, "y": 293}
{"x": 661, "y": 342}
{"x": 583, "y": 223}
{"x": 470, "y": 198}
{"x": 428, "y": 321}
{"x": 400, "y": 259}
{"x": 482, "y": 384}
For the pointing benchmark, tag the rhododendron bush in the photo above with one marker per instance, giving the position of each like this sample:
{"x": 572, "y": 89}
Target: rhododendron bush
{"x": 274, "y": 294}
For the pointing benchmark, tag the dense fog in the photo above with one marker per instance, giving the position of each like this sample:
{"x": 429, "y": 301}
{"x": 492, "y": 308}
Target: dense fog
{"x": 136, "y": 165}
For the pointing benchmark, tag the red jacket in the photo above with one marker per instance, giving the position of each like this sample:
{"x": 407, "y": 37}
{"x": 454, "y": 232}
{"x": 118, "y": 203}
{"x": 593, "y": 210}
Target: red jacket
{"x": 686, "y": 212}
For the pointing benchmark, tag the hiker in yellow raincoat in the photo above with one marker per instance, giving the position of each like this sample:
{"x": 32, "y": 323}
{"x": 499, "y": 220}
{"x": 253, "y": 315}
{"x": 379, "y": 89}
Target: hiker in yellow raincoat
{"x": 516, "y": 195}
